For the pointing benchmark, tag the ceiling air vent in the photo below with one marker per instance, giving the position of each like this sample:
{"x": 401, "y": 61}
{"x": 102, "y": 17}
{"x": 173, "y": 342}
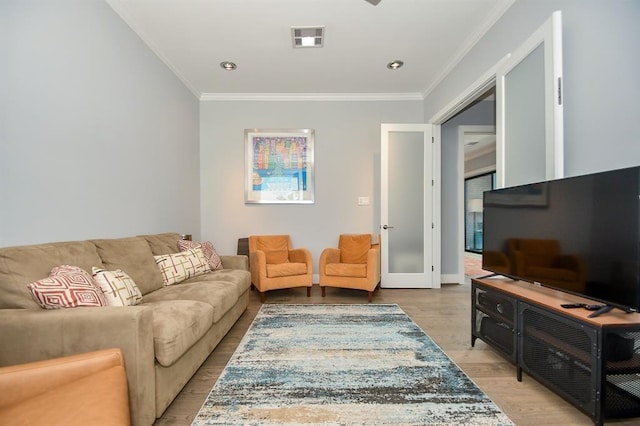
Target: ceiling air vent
{"x": 307, "y": 36}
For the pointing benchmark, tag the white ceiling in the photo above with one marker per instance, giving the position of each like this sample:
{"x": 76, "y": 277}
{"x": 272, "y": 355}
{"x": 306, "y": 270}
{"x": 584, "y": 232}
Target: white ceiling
{"x": 193, "y": 36}
{"x": 478, "y": 144}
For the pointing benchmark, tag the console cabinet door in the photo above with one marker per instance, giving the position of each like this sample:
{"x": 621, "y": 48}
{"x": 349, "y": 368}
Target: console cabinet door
{"x": 494, "y": 320}
{"x": 562, "y": 354}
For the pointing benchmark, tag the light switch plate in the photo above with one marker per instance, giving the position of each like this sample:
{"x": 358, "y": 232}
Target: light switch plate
{"x": 363, "y": 201}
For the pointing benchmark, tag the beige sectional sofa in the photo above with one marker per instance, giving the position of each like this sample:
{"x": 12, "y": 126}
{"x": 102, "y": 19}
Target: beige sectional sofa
{"x": 164, "y": 339}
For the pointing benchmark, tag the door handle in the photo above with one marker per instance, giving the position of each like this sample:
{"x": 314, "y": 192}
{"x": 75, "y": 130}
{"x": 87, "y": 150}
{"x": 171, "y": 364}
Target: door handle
{"x": 386, "y": 227}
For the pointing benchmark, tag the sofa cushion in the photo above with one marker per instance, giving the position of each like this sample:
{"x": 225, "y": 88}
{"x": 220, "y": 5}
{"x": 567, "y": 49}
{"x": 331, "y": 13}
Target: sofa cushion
{"x": 178, "y": 325}
{"x": 22, "y": 265}
{"x": 118, "y": 287}
{"x": 67, "y": 287}
{"x": 276, "y": 256}
{"x": 133, "y": 256}
{"x": 210, "y": 288}
{"x": 208, "y": 250}
{"x": 177, "y": 267}
{"x": 354, "y": 270}
{"x": 239, "y": 280}
{"x": 269, "y": 243}
{"x": 162, "y": 243}
{"x": 286, "y": 269}
{"x": 354, "y": 248}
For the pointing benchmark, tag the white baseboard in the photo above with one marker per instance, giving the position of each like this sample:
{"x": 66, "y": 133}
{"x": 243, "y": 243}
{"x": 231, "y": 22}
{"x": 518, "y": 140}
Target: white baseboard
{"x": 452, "y": 278}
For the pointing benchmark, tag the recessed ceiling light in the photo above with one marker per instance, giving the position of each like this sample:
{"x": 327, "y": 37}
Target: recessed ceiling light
{"x": 228, "y": 66}
{"x": 394, "y": 65}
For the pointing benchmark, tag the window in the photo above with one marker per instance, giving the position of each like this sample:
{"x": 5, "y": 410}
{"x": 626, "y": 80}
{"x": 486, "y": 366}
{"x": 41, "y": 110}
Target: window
{"x": 473, "y": 189}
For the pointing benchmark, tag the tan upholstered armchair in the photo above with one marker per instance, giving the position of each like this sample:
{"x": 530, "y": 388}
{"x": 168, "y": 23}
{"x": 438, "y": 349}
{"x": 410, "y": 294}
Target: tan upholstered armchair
{"x": 83, "y": 389}
{"x": 354, "y": 264}
{"x": 275, "y": 264}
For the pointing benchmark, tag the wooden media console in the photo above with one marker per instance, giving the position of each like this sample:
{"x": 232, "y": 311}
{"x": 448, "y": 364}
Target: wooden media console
{"x": 591, "y": 362}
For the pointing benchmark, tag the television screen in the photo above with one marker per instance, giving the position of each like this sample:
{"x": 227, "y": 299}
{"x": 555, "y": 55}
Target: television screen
{"x": 579, "y": 234}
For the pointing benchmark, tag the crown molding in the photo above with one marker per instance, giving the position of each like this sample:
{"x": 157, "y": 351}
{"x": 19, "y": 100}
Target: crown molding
{"x": 473, "y": 39}
{"x": 119, "y": 8}
{"x": 310, "y": 97}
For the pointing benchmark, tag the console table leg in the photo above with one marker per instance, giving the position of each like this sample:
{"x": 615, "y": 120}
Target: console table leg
{"x": 519, "y": 373}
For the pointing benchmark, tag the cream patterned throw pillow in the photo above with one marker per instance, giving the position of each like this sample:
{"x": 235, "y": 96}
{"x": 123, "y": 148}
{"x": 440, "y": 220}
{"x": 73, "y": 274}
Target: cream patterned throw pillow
{"x": 177, "y": 267}
{"x": 210, "y": 253}
{"x": 118, "y": 287}
{"x": 67, "y": 287}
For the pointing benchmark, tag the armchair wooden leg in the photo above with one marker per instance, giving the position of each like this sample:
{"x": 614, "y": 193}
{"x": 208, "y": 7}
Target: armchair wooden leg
{"x": 323, "y": 291}
{"x": 308, "y": 291}
{"x": 370, "y": 296}
{"x": 263, "y": 296}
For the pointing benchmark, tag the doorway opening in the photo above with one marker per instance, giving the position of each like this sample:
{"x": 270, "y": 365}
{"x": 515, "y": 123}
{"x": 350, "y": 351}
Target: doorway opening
{"x": 474, "y": 188}
{"x": 468, "y": 148}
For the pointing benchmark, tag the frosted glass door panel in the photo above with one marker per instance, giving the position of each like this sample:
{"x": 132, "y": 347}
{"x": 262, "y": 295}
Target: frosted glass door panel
{"x": 529, "y": 111}
{"x": 406, "y": 202}
{"x": 525, "y": 160}
{"x": 407, "y": 206}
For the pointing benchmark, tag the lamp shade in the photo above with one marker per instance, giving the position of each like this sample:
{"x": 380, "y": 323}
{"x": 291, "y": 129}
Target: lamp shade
{"x": 475, "y": 205}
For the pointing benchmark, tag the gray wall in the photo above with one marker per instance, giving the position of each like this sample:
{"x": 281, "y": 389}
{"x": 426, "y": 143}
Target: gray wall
{"x": 97, "y": 137}
{"x": 601, "y": 62}
{"x": 347, "y": 165}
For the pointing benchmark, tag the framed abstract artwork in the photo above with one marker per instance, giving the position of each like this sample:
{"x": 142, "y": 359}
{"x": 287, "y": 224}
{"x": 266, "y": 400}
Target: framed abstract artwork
{"x": 279, "y": 166}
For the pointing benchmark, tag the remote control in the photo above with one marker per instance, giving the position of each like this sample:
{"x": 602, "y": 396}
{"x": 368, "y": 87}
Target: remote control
{"x": 573, "y": 305}
{"x": 593, "y": 307}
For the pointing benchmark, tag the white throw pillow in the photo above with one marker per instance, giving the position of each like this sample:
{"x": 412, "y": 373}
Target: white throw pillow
{"x": 119, "y": 288}
{"x": 177, "y": 267}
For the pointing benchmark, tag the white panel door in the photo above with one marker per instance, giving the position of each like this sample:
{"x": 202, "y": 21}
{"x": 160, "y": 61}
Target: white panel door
{"x": 407, "y": 206}
{"x": 529, "y": 117}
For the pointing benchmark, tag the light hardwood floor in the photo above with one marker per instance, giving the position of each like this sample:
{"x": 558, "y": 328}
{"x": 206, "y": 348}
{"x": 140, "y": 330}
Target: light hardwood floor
{"x": 444, "y": 314}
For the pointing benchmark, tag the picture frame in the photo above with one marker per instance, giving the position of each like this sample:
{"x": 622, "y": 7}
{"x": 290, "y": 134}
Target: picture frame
{"x": 279, "y": 166}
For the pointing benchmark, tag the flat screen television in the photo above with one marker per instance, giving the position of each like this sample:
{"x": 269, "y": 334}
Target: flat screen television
{"x": 580, "y": 235}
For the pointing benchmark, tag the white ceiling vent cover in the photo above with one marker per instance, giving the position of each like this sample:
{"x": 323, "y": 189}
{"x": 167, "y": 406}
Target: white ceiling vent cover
{"x": 307, "y": 36}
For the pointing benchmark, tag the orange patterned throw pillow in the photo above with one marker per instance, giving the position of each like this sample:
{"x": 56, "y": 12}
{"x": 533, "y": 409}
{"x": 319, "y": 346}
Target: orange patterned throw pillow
{"x": 67, "y": 287}
{"x": 209, "y": 252}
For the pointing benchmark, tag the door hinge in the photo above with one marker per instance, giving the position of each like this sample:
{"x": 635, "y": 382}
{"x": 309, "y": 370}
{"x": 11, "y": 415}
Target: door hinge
{"x": 432, "y": 269}
{"x": 559, "y": 90}
{"x": 433, "y": 226}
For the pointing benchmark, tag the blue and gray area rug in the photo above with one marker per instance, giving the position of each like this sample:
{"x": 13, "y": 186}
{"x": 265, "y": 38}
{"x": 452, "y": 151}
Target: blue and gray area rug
{"x": 343, "y": 365}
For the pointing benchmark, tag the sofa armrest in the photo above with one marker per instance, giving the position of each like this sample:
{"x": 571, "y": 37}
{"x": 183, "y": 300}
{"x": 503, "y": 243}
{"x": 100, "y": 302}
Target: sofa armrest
{"x": 328, "y": 255}
{"x": 302, "y": 255}
{"x": 37, "y": 334}
{"x": 373, "y": 264}
{"x": 83, "y": 389}
{"x": 23, "y": 381}
{"x": 239, "y": 261}
{"x": 258, "y": 261}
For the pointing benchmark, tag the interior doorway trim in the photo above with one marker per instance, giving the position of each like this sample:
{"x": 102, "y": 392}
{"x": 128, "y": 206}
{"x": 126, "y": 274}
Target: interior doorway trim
{"x": 464, "y": 99}
{"x": 462, "y": 130}
{"x": 469, "y": 95}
